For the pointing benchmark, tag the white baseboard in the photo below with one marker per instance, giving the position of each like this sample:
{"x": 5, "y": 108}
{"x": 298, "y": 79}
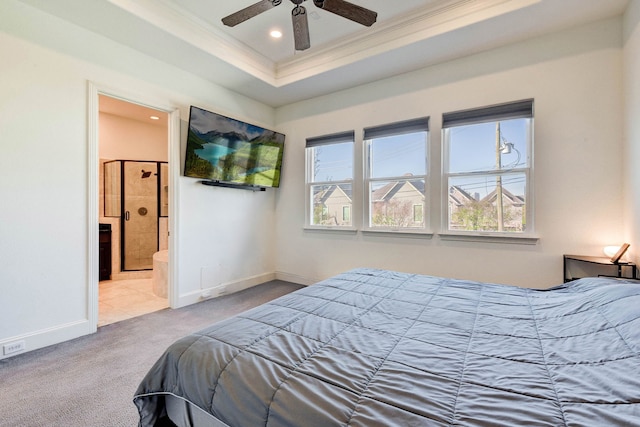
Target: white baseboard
{"x": 223, "y": 289}
{"x": 60, "y": 333}
{"x": 294, "y": 278}
{"x": 46, "y": 337}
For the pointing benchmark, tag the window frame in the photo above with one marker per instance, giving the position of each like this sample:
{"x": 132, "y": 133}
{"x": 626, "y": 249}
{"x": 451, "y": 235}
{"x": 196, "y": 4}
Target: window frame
{"x": 315, "y": 142}
{"x": 404, "y": 127}
{"x": 490, "y": 114}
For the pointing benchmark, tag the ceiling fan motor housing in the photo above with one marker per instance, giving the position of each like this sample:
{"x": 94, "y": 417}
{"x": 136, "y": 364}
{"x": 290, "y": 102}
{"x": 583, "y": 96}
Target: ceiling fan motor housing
{"x": 342, "y": 8}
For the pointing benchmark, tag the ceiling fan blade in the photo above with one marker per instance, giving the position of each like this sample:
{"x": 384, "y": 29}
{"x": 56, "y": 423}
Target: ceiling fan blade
{"x": 300, "y": 28}
{"x": 348, "y": 10}
{"x": 249, "y": 12}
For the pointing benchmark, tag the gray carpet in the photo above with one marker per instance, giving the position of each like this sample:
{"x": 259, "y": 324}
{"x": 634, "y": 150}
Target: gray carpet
{"x": 90, "y": 381}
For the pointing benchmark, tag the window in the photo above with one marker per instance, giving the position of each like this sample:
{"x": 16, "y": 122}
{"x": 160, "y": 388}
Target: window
{"x": 487, "y": 168}
{"x": 396, "y": 175}
{"x": 418, "y": 213}
{"x": 346, "y": 213}
{"x": 330, "y": 180}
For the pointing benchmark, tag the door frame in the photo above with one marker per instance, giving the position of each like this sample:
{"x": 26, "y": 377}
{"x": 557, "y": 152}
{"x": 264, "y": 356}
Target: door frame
{"x": 124, "y": 222}
{"x": 93, "y": 170}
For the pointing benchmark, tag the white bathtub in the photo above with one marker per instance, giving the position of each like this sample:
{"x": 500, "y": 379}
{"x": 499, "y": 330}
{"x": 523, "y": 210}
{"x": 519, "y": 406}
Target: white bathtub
{"x": 160, "y": 278}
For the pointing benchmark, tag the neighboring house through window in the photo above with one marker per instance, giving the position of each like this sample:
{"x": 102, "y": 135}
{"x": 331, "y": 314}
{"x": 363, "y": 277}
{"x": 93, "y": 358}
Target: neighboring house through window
{"x": 330, "y": 180}
{"x": 418, "y": 213}
{"x": 346, "y": 213}
{"x": 396, "y": 175}
{"x": 487, "y": 169}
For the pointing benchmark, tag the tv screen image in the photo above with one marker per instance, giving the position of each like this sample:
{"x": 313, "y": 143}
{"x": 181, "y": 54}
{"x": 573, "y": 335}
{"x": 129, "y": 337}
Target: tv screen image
{"x": 222, "y": 149}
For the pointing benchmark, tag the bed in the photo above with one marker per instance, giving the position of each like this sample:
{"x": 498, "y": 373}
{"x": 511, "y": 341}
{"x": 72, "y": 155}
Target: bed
{"x": 382, "y": 348}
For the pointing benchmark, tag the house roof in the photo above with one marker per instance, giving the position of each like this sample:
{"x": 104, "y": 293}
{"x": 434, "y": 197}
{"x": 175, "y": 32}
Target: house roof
{"x": 506, "y": 194}
{"x": 459, "y": 196}
{"x": 388, "y": 191}
{"x": 322, "y": 195}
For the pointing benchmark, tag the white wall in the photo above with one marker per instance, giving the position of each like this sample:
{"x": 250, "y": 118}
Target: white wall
{"x": 125, "y": 139}
{"x": 44, "y": 232}
{"x": 632, "y": 126}
{"x": 575, "y": 78}
{"x": 226, "y": 235}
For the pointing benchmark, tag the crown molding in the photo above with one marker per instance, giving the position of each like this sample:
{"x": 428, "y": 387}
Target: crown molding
{"x": 196, "y": 32}
{"x": 439, "y": 31}
{"x": 439, "y": 18}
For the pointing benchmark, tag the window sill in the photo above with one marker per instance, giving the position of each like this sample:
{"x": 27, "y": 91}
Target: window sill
{"x": 399, "y": 233}
{"x": 491, "y": 238}
{"x": 460, "y": 237}
{"x": 330, "y": 229}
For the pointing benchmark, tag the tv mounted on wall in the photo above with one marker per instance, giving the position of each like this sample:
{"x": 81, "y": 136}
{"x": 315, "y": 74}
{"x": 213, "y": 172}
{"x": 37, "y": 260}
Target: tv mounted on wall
{"x": 228, "y": 152}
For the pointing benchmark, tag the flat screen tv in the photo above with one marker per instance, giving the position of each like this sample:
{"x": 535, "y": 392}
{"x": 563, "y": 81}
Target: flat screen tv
{"x": 227, "y": 151}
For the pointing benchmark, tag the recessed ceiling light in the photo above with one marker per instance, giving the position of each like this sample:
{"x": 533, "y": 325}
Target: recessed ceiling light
{"x": 276, "y": 34}
{"x": 154, "y": 117}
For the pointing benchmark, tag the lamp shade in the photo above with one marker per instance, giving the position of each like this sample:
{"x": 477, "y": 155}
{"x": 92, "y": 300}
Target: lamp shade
{"x": 610, "y": 251}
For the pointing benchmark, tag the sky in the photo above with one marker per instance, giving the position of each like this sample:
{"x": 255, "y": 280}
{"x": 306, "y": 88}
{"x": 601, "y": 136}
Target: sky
{"x": 472, "y": 149}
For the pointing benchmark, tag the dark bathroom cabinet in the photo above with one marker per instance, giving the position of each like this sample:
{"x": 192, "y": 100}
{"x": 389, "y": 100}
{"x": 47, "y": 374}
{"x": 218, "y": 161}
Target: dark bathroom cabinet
{"x": 105, "y": 252}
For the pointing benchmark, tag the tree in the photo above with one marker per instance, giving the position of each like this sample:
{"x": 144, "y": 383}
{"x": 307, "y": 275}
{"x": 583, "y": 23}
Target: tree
{"x": 479, "y": 215}
{"x": 393, "y": 213}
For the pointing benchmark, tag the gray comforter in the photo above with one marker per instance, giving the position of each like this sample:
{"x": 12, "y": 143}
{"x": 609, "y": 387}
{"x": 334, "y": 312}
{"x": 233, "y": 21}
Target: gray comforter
{"x": 382, "y": 348}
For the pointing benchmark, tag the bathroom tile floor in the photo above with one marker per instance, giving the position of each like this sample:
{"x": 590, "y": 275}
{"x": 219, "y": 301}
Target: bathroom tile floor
{"x": 124, "y": 299}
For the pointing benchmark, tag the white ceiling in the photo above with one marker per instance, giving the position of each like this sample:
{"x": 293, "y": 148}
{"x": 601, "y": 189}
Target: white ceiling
{"x": 131, "y": 111}
{"x": 409, "y": 34}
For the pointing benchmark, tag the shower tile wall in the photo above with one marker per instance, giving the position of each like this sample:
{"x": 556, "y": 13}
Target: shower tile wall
{"x": 163, "y": 238}
{"x": 115, "y": 226}
{"x": 141, "y": 204}
{"x": 163, "y": 244}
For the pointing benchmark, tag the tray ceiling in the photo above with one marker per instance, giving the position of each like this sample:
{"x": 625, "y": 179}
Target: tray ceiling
{"x": 408, "y": 35}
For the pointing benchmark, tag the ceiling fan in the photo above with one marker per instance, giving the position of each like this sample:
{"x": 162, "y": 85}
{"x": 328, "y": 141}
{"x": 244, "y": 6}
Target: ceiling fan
{"x": 343, "y": 8}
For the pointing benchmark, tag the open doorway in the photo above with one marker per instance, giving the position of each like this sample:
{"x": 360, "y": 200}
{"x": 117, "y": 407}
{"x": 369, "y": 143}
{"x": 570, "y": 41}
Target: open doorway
{"x": 133, "y": 151}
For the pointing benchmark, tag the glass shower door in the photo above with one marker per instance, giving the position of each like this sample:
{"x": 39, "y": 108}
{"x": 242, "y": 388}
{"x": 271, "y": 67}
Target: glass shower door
{"x": 140, "y": 225}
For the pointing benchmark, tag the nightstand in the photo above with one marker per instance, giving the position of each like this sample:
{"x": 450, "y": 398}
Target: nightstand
{"x": 596, "y": 266}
